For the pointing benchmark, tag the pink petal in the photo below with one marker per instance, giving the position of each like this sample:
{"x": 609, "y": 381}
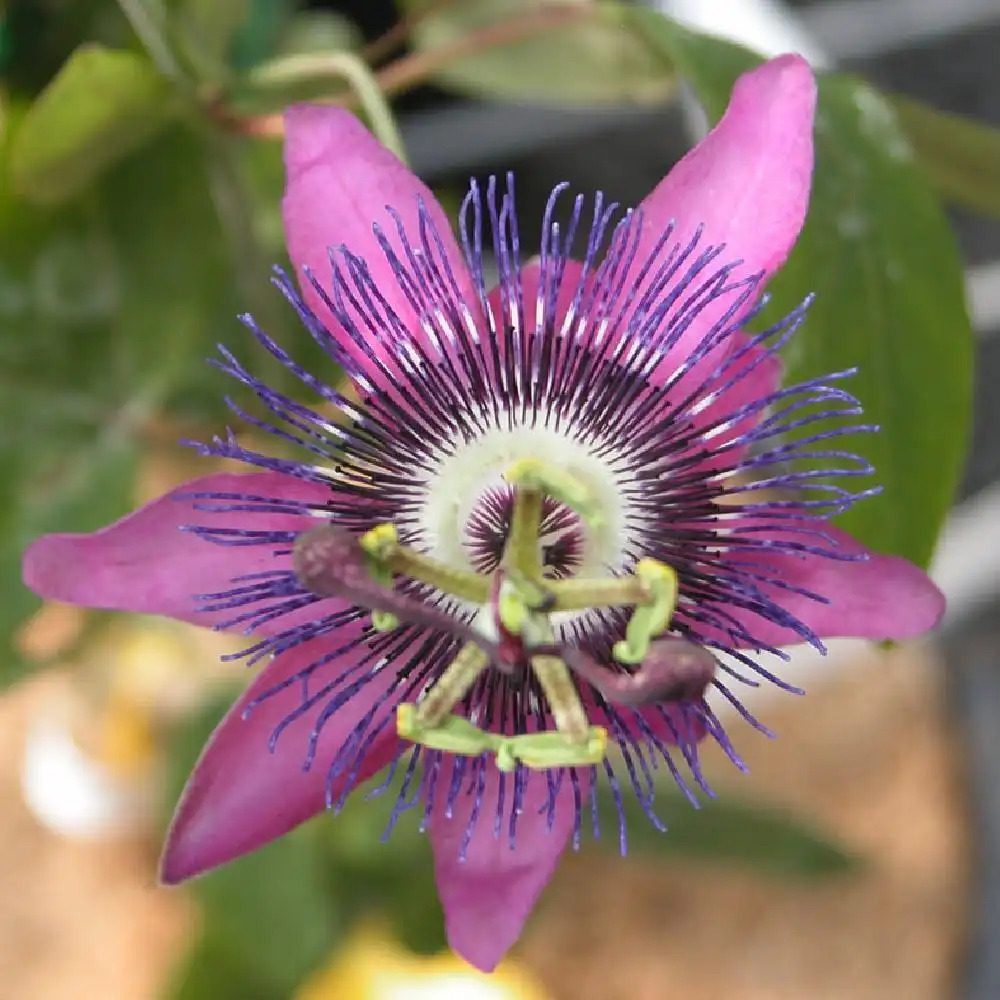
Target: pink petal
{"x": 759, "y": 376}
{"x": 529, "y": 279}
{"x": 884, "y": 597}
{"x": 145, "y": 563}
{"x": 242, "y": 796}
{"x": 747, "y": 182}
{"x": 487, "y": 896}
{"x": 339, "y": 182}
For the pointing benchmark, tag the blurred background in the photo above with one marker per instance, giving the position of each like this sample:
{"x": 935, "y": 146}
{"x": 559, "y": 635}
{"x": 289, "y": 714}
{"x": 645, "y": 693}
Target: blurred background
{"x": 139, "y": 213}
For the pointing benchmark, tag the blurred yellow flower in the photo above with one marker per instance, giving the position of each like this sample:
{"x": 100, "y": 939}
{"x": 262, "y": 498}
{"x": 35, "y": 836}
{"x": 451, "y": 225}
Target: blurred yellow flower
{"x": 371, "y": 966}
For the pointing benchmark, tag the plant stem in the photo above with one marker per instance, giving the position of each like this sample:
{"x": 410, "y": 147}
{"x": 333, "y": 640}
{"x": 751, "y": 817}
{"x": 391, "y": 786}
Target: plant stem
{"x": 150, "y": 32}
{"x": 364, "y": 88}
{"x": 405, "y": 73}
{"x": 398, "y": 35}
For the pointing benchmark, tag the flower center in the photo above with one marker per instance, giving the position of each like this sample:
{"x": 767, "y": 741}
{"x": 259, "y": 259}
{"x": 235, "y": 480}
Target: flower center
{"x": 525, "y": 539}
{"x": 471, "y": 487}
{"x": 561, "y": 534}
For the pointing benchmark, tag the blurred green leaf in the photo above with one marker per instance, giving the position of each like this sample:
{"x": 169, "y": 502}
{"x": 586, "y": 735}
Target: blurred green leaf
{"x": 66, "y": 431}
{"x": 727, "y": 831}
{"x": 44, "y": 492}
{"x": 961, "y": 156}
{"x": 205, "y": 31}
{"x": 185, "y": 743}
{"x": 392, "y": 879}
{"x": 102, "y": 105}
{"x": 878, "y": 253}
{"x": 314, "y": 76}
{"x": 213, "y": 972}
{"x": 575, "y": 53}
{"x": 260, "y": 34}
{"x": 177, "y": 272}
{"x": 274, "y": 908}
{"x": 319, "y": 31}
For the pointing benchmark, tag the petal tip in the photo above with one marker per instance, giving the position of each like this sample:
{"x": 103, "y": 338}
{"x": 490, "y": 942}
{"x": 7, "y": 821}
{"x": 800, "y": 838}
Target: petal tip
{"x": 482, "y": 955}
{"x": 317, "y": 134}
{"x": 172, "y": 872}
{"x": 42, "y": 564}
{"x": 789, "y": 72}
{"x": 931, "y": 606}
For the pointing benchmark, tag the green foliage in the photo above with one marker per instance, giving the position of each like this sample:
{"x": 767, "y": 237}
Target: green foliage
{"x": 213, "y": 971}
{"x": 879, "y": 255}
{"x": 727, "y": 831}
{"x": 317, "y": 32}
{"x": 574, "y": 59}
{"x": 205, "y": 33}
{"x": 961, "y": 156}
{"x": 101, "y": 106}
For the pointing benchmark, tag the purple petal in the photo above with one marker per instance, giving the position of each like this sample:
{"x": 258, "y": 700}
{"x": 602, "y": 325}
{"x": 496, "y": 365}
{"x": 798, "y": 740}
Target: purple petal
{"x": 747, "y": 182}
{"x": 487, "y": 896}
{"x": 339, "y": 182}
{"x": 883, "y": 597}
{"x": 757, "y": 375}
{"x": 241, "y": 795}
{"x": 146, "y": 563}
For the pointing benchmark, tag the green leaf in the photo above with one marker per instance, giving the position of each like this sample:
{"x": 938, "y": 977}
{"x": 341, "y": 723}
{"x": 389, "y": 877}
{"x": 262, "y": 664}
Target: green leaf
{"x": 728, "y": 831}
{"x": 394, "y": 880}
{"x": 65, "y": 431}
{"x": 46, "y": 491}
{"x": 212, "y": 971}
{"x": 568, "y": 53}
{"x": 205, "y": 32}
{"x": 176, "y": 270}
{"x": 312, "y": 76}
{"x": 880, "y": 257}
{"x": 273, "y": 908}
{"x": 102, "y": 105}
{"x": 961, "y": 156}
{"x": 320, "y": 31}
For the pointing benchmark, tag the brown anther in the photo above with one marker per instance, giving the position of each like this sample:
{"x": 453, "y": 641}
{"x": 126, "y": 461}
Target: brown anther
{"x": 329, "y": 562}
{"x": 674, "y": 669}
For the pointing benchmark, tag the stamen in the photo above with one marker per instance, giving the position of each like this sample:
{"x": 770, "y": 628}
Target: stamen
{"x": 381, "y": 544}
{"x": 535, "y": 750}
{"x": 562, "y": 696}
{"x": 520, "y": 603}
{"x": 674, "y": 669}
{"x": 608, "y": 592}
{"x": 451, "y": 686}
{"x": 330, "y": 562}
{"x": 648, "y": 620}
{"x": 542, "y": 751}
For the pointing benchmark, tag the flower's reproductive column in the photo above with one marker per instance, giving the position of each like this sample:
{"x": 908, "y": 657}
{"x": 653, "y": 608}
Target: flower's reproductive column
{"x": 512, "y": 630}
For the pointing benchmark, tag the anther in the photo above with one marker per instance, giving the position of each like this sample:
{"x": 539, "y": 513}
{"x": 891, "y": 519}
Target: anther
{"x": 331, "y": 562}
{"x": 650, "y": 619}
{"x": 674, "y": 669}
